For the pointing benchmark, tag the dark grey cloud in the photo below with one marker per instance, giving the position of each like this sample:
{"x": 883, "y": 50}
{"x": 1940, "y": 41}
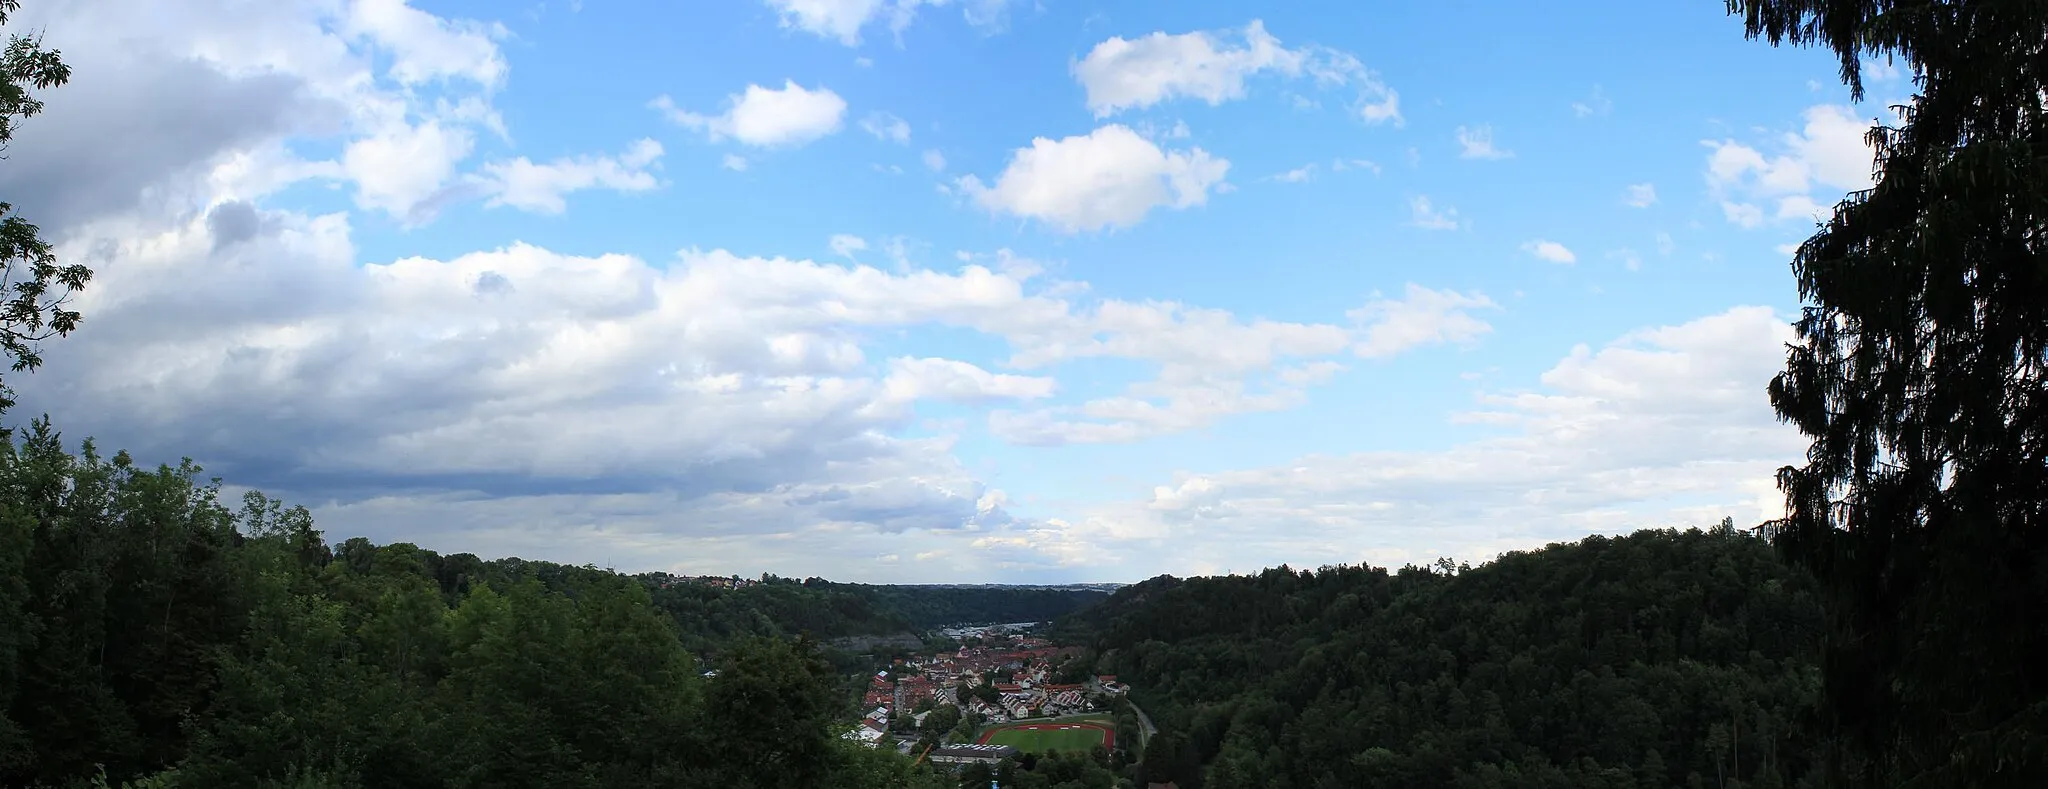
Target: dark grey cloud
{"x": 126, "y": 123}
{"x": 492, "y": 283}
{"x": 233, "y": 222}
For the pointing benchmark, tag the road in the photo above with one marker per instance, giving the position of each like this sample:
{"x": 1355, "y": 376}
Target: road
{"x": 1144, "y": 722}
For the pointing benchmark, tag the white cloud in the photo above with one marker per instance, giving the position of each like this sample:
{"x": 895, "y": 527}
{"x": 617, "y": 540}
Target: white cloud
{"x": 1641, "y": 195}
{"x": 1803, "y": 207}
{"x": 399, "y": 93}
{"x": 1340, "y": 165}
{"x": 766, "y": 117}
{"x": 959, "y": 382}
{"x": 1109, "y": 178}
{"x": 1665, "y": 244}
{"x": 1428, "y": 217}
{"x": 885, "y": 126}
{"x": 934, "y": 161}
{"x": 1813, "y": 168}
{"x": 1665, "y": 427}
{"x": 1120, "y": 74}
{"x": 404, "y": 167}
{"x": 843, "y": 20}
{"x": 1550, "y": 251}
{"x": 425, "y": 47}
{"x": 1213, "y": 366}
{"x": 844, "y": 245}
{"x": 839, "y": 19}
{"x": 522, "y": 184}
{"x": 1296, "y": 175}
{"x": 733, "y": 162}
{"x": 1477, "y": 143}
{"x": 1423, "y": 317}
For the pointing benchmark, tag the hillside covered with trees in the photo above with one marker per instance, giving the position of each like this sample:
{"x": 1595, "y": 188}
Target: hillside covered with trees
{"x": 826, "y": 610}
{"x": 149, "y": 630}
{"x": 1658, "y": 659}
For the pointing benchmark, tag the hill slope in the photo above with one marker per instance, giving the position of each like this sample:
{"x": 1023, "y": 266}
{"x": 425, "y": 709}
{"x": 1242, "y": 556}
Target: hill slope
{"x": 1659, "y": 659}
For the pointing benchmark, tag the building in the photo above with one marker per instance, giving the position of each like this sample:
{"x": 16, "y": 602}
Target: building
{"x": 868, "y": 733}
{"x": 971, "y": 754}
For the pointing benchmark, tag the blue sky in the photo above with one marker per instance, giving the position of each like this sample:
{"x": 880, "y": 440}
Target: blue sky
{"x": 889, "y": 290}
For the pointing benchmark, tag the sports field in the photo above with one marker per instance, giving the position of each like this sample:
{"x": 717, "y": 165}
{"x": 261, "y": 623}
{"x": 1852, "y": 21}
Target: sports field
{"x": 1074, "y": 735}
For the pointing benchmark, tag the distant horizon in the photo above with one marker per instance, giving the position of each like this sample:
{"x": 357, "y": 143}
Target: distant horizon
{"x": 1015, "y": 292}
{"x": 755, "y": 576}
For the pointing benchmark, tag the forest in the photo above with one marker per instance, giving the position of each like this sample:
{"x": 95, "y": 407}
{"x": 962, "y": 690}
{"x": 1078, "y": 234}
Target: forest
{"x": 1658, "y": 659}
{"x": 824, "y": 610}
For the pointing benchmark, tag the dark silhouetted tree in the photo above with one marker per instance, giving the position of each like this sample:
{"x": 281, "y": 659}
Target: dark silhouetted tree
{"x": 1921, "y": 377}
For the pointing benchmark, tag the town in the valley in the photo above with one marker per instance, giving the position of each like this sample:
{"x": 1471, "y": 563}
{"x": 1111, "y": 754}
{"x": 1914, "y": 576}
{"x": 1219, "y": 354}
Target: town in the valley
{"x": 1001, "y": 692}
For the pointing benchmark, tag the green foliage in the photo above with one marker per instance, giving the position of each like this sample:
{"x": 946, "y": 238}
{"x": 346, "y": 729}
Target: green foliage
{"x": 825, "y": 610}
{"x": 1921, "y": 378}
{"x": 155, "y": 638}
{"x": 1608, "y": 662}
{"x": 36, "y": 287}
{"x": 1050, "y": 771}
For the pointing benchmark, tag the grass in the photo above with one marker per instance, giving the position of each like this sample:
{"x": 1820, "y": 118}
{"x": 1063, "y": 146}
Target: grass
{"x": 1045, "y": 736}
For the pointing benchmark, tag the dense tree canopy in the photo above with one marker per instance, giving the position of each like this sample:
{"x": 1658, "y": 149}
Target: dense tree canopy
{"x": 825, "y": 610}
{"x": 1655, "y": 660}
{"x": 1921, "y": 377}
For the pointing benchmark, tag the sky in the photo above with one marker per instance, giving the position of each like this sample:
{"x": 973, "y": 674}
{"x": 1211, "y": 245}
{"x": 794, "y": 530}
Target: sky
{"x": 910, "y": 291}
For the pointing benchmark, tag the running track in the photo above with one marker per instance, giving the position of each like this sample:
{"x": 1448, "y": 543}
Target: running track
{"x": 1108, "y": 734}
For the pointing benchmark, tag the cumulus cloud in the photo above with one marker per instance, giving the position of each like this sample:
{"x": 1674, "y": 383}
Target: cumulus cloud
{"x": 1108, "y": 178}
{"x": 1211, "y": 365}
{"x": 843, "y": 20}
{"x": 1477, "y": 143}
{"x": 399, "y": 91}
{"x": 1641, "y": 195}
{"x": 521, "y": 400}
{"x": 541, "y": 188}
{"x": 1121, "y": 74}
{"x": 425, "y": 47}
{"x": 1550, "y": 251}
{"x": 1663, "y": 427}
{"x": 1809, "y": 170}
{"x": 788, "y": 116}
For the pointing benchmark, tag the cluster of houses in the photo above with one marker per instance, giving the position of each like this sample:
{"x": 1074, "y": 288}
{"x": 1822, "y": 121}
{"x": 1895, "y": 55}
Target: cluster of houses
{"x": 1018, "y": 672}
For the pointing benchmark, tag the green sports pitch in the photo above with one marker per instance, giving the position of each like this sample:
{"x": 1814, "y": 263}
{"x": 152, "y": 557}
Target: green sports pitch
{"x": 1047, "y": 736}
